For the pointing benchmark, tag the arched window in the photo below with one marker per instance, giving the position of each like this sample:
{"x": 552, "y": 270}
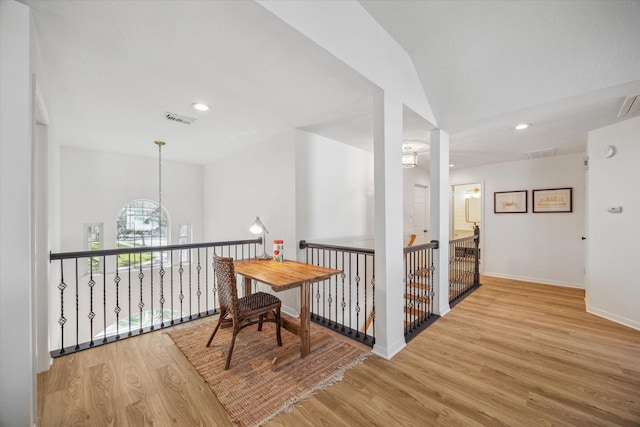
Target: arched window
{"x": 140, "y": 225}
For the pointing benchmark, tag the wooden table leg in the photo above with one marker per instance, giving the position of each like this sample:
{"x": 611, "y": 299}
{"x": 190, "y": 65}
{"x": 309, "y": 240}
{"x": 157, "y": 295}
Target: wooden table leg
{"x": 247, "y": 286}
{"x": 303, "y": 329}
{"x": 305, "y": 319}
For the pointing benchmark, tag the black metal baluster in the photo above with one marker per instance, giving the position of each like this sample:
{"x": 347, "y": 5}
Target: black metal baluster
{"x": 314, "y": 312}
{"x": 62, "y": 320}
{"x": 199, "y": 293}
{"x": 181, "y": 294}
{"x": 129, "y": 268}
{"x": 171, "y": 269}
{"x": 357, "y": 308}
{"x": 104, "y": 301}
{"x": 206, "y": 277}
{"x": 373, "y": 299}
{"x": 432, "y": 293}
{"x": 117, "y": 309}
{"x": 215, "y": 286}
{"x": 77, "y": 309}
{"x": 91, "y": 314}
{"x": 342, "y": 277}
{"x": 190, "y": 293}
{"x": 141, "y": 303}
{"x": 366, "y": 283}
{"x": 151, "y": 293}
{"x": 329, "y": 298}
{"x": 162, "y": 300}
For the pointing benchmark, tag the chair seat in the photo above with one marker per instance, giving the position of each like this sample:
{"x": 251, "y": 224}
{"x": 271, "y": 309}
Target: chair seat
{"x": 257, "y": 303}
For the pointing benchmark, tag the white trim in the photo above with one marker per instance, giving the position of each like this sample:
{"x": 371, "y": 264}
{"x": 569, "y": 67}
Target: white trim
{"x": 42, "y": 116}
{"x": 536, "y": 280}
{"x": 391, "y": 351}
{"x": 610, "y": 316}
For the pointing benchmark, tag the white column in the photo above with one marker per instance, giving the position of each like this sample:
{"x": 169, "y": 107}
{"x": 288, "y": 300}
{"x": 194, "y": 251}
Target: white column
{"x": 440, "y": 195}
{"x": 17, "y": 361}
{"x": 387, "y": 150}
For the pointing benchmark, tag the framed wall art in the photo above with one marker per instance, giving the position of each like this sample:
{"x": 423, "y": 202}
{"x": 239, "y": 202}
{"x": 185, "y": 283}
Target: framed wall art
{"x": 510, "y": 201}
{"x": 552, "y": 200}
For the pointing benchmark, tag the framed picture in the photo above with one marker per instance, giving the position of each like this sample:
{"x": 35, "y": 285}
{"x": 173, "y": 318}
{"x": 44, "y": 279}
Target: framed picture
{"x": 553, "y": 200}
{"x": 510, "y": 201}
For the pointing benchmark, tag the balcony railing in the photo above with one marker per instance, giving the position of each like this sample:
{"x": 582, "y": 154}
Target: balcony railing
{"x": 137, "y": 290}
{"x": 419, "y": 270}
{"x": 344, "y": 303}
{"x": 464, "y": 266}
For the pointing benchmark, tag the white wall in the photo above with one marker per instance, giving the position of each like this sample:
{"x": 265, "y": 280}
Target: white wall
{"x": 613, "y": 286}
{"x": 17, "y": 360}
{"x": 538, "y": 247}
{"x": 96, "y": 185}
{"x": 334, "y": 190}
{"x": 255, "y": 182}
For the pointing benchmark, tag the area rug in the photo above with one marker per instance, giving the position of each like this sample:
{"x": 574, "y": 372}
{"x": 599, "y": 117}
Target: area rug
{"x": 251, "y": 392}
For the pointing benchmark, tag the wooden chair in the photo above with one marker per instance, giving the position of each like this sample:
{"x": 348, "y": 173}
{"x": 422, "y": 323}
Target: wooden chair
{"x": 245, "y": 311}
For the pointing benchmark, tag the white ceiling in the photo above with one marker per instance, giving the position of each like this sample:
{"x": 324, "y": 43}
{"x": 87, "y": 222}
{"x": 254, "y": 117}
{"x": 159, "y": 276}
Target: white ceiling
{"x": 112, "y": 69}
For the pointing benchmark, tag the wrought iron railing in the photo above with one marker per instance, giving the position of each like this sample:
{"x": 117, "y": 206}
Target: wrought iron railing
{"x": 464, "y": 266}
{"x": 419, "y": 269}
{"x": 339, "y": 303}
{"x": 344, "y": 303}
{"x": 137, "y": 290}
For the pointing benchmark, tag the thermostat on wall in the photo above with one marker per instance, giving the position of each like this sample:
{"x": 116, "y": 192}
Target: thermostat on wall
{"x": 614, "y": 209}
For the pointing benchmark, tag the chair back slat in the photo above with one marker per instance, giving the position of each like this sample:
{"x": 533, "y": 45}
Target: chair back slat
{"x": 227, "y": 288}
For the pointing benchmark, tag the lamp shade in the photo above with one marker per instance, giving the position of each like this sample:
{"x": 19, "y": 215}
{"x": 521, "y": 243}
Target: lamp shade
{"x": 257, "y": 227}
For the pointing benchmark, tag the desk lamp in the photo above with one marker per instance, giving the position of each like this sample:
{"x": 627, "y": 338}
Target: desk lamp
{"x": 256, "y": 228}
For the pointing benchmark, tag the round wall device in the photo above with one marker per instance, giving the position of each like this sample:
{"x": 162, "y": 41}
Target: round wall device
{"x": 610, "y": 151}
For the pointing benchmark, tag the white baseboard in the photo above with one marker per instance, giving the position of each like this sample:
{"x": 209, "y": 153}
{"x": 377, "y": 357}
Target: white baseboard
{"x": 535, "y": 280}
{"x": 391, "y": 351}
{"x": 289, "y": 311}
{"x": 610, "y": 316}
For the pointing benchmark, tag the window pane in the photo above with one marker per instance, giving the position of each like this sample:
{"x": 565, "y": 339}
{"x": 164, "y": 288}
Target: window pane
{"x": 93, "y": 233}
{"x": 140, "y": 224}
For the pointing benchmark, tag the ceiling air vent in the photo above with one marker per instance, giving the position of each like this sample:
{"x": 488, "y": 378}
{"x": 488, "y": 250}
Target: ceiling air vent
{"x": 550, "y": 152}
{"x": 630, "y": 106}
{"x": 179, "y": 119}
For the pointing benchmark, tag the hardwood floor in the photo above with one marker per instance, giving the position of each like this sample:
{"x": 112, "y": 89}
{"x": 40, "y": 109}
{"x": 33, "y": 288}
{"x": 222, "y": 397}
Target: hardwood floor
{"x": 512, "y": 353}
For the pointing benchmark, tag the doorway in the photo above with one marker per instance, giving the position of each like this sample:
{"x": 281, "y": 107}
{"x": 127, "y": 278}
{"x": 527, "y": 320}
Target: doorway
{"x": 466, "y": 209}
{"x": 421, "y": 215}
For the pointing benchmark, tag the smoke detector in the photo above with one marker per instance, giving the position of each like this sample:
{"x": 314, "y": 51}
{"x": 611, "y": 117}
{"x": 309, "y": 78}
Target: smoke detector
{"x": 179, "y": 119}
{"x": 630, "y": 106}
{"x": 549, "y": 152}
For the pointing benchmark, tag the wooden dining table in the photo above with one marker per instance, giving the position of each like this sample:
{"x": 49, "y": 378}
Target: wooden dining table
{"x": 289, "y": 275}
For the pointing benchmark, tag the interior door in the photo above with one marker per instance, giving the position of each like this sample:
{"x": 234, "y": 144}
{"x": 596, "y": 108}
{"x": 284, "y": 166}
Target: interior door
{"x": 421, "y": 216}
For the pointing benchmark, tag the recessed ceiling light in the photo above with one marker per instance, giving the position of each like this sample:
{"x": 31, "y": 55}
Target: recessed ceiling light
{"x": 200, "y": 107}
{"x": 451, "y": 165}
{"x": 522, "y": 126}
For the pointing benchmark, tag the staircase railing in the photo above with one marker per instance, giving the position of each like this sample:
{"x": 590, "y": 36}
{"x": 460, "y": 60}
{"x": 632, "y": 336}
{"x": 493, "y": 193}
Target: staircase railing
{"x": 135, "y": 290}
{"x": 464, "y": 266}
{"x": 344, "y": 303}
{"x": 419, "y": 270}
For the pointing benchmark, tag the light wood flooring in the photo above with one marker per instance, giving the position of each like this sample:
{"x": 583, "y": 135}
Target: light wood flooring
{"x": 512, "y": 353}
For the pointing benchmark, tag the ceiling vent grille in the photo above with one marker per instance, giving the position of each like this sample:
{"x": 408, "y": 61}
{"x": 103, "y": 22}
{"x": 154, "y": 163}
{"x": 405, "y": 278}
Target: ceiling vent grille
{"x": 550, "y": 152}
{"x": 630, "y": 106}
{"x": 179, "y": 119}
